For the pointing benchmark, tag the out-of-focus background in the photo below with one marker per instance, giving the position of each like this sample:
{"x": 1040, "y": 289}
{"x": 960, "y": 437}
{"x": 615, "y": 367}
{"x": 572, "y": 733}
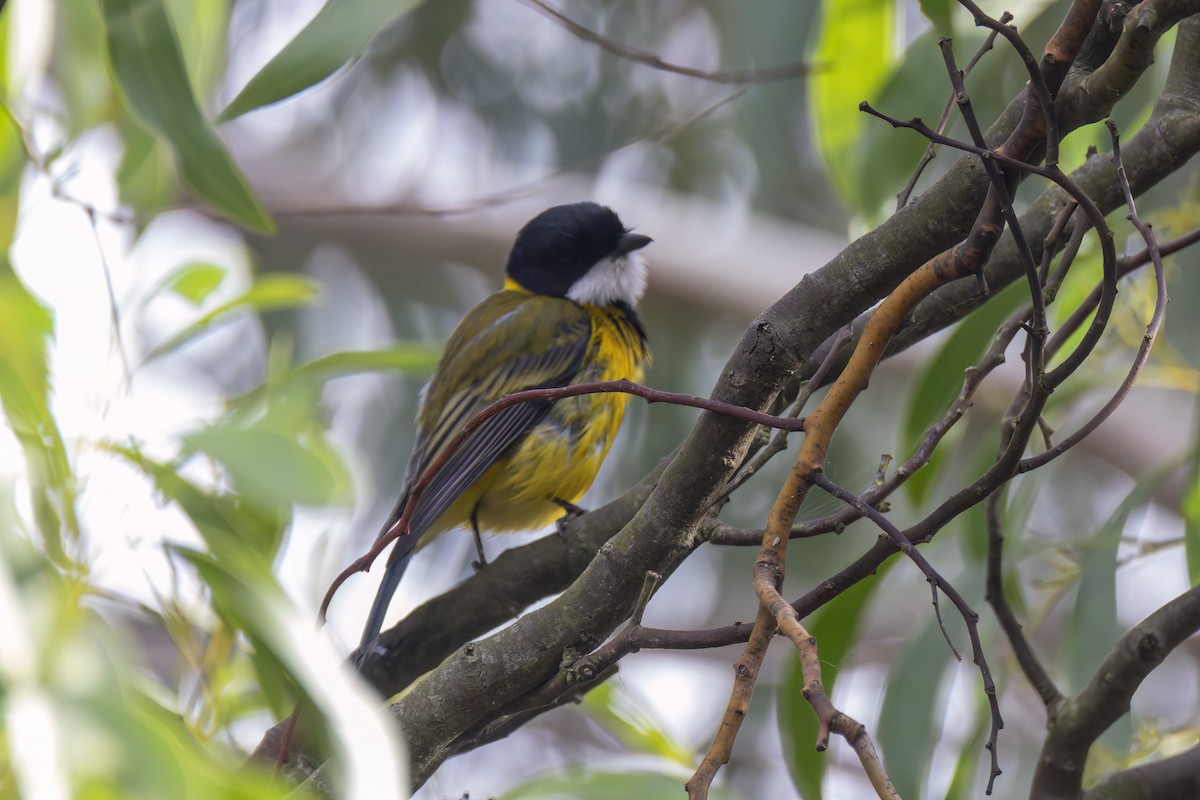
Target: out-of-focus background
{"x": 224, "y": 411}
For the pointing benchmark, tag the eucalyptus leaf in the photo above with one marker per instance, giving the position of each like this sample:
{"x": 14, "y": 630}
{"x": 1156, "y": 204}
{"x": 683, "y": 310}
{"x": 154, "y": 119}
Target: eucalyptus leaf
{"x": 13, "y": 161}
{"x": 835, "y": 626}
{"x": 25, "y": 327}
{"x": 936, "y": 386}
{"x": 288, "y": 654}
{"x": 335, "y": 37}
{"x": 1191, "y": 512}
{"x": 194, "y": 282}
{"x": 269, "y": 293}
{"x": 632, "y": 725}
{"x": 857, "y": 49}
{"x": 1094, "y": 627}
{"x": 406, "y": 357}
{"x": 586, "y": 785}
{"x": 234, "y": 528}
{"x": 907, "y": 722}
{"x": 941, "y": 14}
{"x": 147, "y": 62}
{"x": 275, "y": 466}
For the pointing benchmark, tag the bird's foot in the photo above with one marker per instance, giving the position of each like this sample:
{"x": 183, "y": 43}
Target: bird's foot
{"x": 482, "y": 561}
{"x": 572, "y": 512}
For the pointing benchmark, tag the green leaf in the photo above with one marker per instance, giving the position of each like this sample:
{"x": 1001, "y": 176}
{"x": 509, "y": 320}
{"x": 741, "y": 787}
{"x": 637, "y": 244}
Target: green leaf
{"x": 1075, "y": 287}
{"x": 856, "y": 52}
{"x": 12, "y": 166}
{"x": 235, "y": 528}
{"x": 586, "y": 785}
{"x": 966, "y": 771}
{"x": 276, "y": 467}
{"x": 202, "y": 28}
{"x": 8, "y": 88}
{"x": 25, "y": 325}
{"x": 133, "y": 745}
{"x": 161, "y": 757}
{"x": 1094, "y": 628}
{"x": 79, "y": 59}
{"x": 146, "y": 176}
{"x": 940, "y": 13}
{"x": 835, "y": 627}
{"x": 276, "y": 451}
{"x": 148, "y": 65}
{"x": 632, "y": 725}
{"x": 335, "y": 37}
{"x": 908, "y": 720}
{"x": 194, "y": 282}
{"x": 269, "y": 293}
{"x": 363, "y": 747}
{"x": 409, "y": 357}
{"x": 935, "y": 388}
{"x": 1191, "y": 514}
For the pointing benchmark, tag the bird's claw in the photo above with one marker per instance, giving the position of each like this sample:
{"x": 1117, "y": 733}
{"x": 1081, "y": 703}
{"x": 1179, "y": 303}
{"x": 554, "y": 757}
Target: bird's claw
{"x": 572, "y": 512}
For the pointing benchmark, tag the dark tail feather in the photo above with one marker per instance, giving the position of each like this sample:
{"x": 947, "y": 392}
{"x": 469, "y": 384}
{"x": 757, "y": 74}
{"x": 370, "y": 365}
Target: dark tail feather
{"x": 402, "y": 553}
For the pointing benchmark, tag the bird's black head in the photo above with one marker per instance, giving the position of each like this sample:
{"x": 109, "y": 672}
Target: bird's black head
{"x": 559, "y": 247}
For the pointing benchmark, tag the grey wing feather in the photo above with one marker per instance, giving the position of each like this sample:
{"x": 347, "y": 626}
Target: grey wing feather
{"x": 484, "y": 447}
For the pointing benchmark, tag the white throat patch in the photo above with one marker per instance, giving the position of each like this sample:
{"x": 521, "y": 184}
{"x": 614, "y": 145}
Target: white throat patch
{"x": 611, "y": 280}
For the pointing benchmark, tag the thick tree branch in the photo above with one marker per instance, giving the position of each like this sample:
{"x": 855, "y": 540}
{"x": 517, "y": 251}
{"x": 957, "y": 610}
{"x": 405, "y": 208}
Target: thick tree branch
{"x": 1174, "y": 778}
{"x": 1093, "y": 94}
{"x": 1078, "y": 721}
{"x": 1170, "y": 137}
{"x": 513, "y": 581}
{"x": 479, "y": 680}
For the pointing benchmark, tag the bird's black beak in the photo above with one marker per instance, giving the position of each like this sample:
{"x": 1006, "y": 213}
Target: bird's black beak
{"x": 630, "y": 242}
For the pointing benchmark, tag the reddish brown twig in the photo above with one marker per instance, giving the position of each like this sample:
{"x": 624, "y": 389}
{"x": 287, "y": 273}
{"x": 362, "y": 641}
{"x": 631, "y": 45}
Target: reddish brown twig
{"x": 1108, "y": 251}
{"x": 778, "y": 442}
{"x": 364, "y": 562}
{"x": 931, "y": 148}
{"x": 932, "y": 575}
{"x": 1037, "y": 76}
{"x": 1152, "y": 328}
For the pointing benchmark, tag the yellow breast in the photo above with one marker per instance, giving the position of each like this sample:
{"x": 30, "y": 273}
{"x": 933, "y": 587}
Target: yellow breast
{"x": 561, "y": 455}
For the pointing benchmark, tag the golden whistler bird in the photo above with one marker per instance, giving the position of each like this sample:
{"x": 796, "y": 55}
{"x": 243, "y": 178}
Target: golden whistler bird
{"x": 567, "y": 314}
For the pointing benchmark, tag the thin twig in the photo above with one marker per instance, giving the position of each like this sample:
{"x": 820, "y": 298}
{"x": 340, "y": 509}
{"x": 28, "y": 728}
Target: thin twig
{"x": 969, "y": 616}
{"x": 931, "y": 148}
{"x": 400, "y": 528}
{"x": 1125, "y": 265}
{"x": 1108, "y": 251}
{"x": 1037, "y": 80}
{"x": 651, "y": 60}
{"x": 1152, "y": 328}
{"x": 1037, "y": 329}
{"x": 664, "y": 132}
{"x": 937, "y": 612}
{"x": 1050, "y": 242}
{"x": 884, "y": 487}
{"x": 745, "y": 675}
{"x": 648, "y": 587}
{"x": 1077, "y": 724}
{"x": 778, "y": 442}
{"x": 1031, "y": 666}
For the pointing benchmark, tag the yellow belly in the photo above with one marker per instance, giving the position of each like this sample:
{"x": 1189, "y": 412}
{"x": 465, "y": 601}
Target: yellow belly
{"x": 560, "y": 456}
